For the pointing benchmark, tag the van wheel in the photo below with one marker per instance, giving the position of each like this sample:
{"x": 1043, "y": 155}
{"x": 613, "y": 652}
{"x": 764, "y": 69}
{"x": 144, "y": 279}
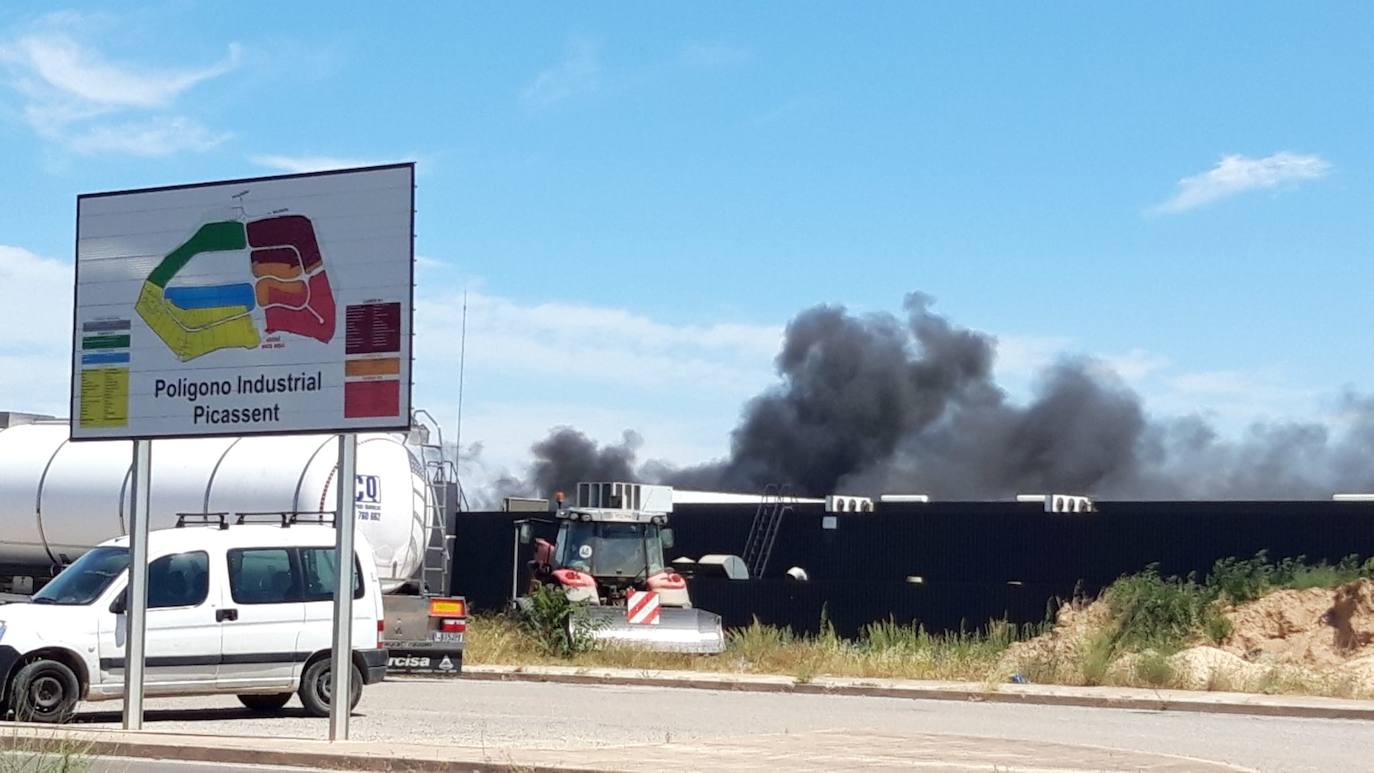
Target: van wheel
{"x": 318, "y": 680}
{"x": 265, "y": 703}
{"x": 45, "y": 691}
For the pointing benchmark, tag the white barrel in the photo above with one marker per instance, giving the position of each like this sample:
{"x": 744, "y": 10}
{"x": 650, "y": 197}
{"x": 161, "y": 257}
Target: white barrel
{"x": 58, "y": 498}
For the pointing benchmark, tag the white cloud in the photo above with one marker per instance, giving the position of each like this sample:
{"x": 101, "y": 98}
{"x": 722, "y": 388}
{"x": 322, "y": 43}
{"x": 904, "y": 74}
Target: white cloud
{"x": 507, "y": 428}
{"x": 156, "y": 137}
{"x": 1136, "y": 365}
{"x": 309, "y": 163}
{"x": 39, "y": 294}
{"x": 34, "y": 352}
{"x": 1237, "y": 174}
{"x": 578, "y": 73}
{"x": 597, "y": 344}
{"x": 69, "y": 68}
{"x": 532, "y": 366}
{"x": 426, "y": 263}
{"x": 1024, "y": 355}
{"x": 70, "y": 87}
{"x": 1230, "y": 386}
{"x": 1232, "y": 400}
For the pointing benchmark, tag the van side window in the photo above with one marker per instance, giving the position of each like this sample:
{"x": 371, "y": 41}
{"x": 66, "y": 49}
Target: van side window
{"x": 321, "y": 577}
{"x": 179, "y": 580}
{"x": 262, "y": 576}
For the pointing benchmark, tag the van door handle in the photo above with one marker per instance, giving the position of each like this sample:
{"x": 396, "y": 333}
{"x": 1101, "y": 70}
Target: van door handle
{"x": 226, "y": 614}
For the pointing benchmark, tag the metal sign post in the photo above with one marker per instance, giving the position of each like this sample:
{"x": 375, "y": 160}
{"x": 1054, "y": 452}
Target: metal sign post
{"x": 136, "y": 594}
{"x": 344, "y": 524}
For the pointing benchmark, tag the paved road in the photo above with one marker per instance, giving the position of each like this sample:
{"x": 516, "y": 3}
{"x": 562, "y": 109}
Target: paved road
{"x": 123, "y": 765}
{"x": 496, "y": 716}
{"x": 10, "y": 762}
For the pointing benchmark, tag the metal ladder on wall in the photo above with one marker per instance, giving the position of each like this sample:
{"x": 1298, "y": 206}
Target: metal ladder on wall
{"x": 774, "y": 505}
{"x": 442, "y": 475}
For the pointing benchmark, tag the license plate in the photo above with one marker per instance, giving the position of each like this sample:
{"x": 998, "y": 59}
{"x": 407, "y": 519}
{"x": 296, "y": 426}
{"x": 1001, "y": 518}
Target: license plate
{"x": 446, "y": 636}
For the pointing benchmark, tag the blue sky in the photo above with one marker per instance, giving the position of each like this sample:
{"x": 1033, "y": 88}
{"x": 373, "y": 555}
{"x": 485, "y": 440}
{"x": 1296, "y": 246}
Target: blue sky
{"x": 638, "y": 198}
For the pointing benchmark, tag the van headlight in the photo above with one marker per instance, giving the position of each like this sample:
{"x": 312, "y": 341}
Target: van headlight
{"x": 2, "y": 630}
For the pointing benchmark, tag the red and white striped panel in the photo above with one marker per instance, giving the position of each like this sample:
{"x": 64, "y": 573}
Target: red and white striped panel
{"x": 643, "y": 608}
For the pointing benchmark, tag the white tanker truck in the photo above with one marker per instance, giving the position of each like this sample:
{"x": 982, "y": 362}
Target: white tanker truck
{"x": 59, "y": 498}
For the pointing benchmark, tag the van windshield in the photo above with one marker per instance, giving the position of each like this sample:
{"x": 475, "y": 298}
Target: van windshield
{"x": 87, "y": 578}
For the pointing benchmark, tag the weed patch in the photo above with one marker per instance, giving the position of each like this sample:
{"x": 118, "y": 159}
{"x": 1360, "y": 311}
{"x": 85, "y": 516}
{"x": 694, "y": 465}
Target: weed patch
{"x": 1130, "y": 635}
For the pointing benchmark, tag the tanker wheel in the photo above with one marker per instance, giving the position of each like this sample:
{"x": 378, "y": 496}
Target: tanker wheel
{"x": 318, "y": 682}
{"x": 45, "y": 691}
{"x": 264, "y": 703}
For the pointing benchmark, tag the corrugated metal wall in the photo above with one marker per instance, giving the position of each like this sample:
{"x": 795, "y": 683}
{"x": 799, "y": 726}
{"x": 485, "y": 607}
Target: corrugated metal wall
{"x": 967, "y": 554}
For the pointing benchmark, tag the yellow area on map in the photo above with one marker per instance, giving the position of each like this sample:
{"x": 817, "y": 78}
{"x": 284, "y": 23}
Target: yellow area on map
{"x": 104, "y": 397}
{"x": 189, "y": 333}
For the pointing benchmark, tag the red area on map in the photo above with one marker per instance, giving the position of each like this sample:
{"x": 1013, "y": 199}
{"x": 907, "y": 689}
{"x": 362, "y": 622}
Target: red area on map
{"x": 316, "y": 320}
{"x": 286, "y": 230}
{"x": 285, "y": 248}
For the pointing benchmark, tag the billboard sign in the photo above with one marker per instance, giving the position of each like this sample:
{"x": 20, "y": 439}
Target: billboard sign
{"x": 243, "y": 307}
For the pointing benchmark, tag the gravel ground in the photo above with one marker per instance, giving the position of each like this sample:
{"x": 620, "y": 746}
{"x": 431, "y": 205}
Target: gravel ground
{"x": 497, "y": 715}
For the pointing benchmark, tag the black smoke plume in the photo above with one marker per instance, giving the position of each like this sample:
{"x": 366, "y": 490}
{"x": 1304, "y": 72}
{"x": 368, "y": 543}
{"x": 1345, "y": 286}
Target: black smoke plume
{"x": 876, "y": 403}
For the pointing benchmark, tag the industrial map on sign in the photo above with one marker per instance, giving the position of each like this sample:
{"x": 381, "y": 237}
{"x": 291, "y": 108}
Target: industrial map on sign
{"x": 266, "y": 305}
{"x": 288, "y": 281}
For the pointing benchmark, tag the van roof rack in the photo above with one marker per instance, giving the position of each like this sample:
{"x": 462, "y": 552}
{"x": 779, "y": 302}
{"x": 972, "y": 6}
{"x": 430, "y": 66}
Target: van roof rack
{"x": 203, "y": 519}
{"x": 283, "y": 517}
{"x": 286, "y": 517}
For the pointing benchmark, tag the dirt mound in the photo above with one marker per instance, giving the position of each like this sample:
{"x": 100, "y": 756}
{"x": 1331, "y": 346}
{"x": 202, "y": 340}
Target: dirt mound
{"x": 1316, "y": 627}
{"x": 1314, "y": 640}
{"x": 1061, "y": 648}
{"x": 1352, "y": 616}
{"x": 1208, "y": 668}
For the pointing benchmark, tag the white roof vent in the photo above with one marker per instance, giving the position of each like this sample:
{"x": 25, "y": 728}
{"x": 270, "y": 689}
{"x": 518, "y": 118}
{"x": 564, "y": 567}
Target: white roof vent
{"x": 898, "y": 498}
{"x": 625, "y": 496}
{"x": 1060, "y": 503}
{"x": 1352, "y": 497}
{"x": 839, "y": 503}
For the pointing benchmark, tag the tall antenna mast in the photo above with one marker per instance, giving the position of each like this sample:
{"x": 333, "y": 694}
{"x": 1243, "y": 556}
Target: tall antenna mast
{"x": 462, "y": 360}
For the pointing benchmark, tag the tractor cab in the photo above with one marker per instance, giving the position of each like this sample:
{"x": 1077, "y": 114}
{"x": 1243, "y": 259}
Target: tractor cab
{"x": 609, "y": 550}
{"x": 601, "y": 555}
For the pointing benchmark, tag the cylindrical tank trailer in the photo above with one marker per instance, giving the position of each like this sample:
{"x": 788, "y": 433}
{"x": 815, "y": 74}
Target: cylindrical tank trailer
{"x": 59, "y": 498}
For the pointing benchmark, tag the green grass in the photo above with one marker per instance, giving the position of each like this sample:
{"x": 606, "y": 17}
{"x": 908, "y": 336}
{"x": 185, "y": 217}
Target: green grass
{"x": 1240, "y": 580}
{"x": 1151, "y": 612}
{"x": 1165, "y": 614}
{"x": 884, "y": 650}
{"x": 1098, "y": 652}
{"x": 39, "y": 749}
{"x": 1153, "y": 669}
{"x": 1150, "y": 616}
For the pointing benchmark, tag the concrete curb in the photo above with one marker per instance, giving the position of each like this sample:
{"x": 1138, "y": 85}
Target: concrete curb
{"x": 1045, "y": 695}
{"x": 245, "y": 750}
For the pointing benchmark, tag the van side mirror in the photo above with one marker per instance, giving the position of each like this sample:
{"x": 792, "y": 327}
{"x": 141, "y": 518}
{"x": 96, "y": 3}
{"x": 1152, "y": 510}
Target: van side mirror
{"x": 121, "y": 603}
{"x": 667, "y": 536}
{"x": 526, "y": 534}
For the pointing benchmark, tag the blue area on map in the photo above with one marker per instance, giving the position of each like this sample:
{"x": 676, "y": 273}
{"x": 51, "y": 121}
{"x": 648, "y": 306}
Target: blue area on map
{"x": 104, "y": 358}
{"x": 211, "y": 296}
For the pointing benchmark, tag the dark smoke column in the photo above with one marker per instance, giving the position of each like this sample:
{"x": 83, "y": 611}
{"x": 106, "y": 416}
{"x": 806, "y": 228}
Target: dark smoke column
{"x": 852, "y": 388}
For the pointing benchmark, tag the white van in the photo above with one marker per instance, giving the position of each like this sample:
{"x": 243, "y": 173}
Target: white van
{"x": 245, "y": 609}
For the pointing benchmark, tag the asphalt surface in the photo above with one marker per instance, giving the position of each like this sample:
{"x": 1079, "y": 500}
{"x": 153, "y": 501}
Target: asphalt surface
{"x": 515, "y": 715}
{"x": 122, "y": 765}
{"x": 130, "y": 765}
